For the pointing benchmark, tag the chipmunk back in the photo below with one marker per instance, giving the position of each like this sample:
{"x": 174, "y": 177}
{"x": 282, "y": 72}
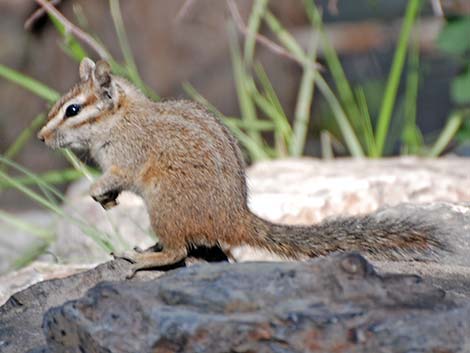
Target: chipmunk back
{"x": 188, "y": 168}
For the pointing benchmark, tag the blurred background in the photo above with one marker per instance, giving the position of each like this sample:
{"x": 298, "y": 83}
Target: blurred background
{"x": 324, "y": 78}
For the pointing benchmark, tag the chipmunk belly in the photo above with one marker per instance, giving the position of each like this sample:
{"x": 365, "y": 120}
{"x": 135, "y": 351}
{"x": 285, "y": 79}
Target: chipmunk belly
{"x": 195, "y": 203}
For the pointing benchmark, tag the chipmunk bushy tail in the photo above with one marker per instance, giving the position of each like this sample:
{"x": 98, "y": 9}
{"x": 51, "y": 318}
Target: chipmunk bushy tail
{"x": 385, "y": 238}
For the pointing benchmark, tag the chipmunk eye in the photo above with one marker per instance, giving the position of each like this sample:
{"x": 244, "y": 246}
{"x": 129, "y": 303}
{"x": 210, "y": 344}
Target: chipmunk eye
{"x": 72, "y": 110}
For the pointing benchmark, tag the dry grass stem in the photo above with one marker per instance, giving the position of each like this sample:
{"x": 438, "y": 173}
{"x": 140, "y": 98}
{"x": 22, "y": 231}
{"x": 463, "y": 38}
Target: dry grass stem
{"x": 29, "y": 23}
{"x": 437, "y": 8}
{"x": 275, "y": 48}
{"x": 184, "y": 10}
{"x": 71, "y": 28}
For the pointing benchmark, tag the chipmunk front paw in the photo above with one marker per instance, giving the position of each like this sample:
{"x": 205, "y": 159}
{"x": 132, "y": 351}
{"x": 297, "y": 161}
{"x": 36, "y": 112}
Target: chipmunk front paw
{"x": 107, "y": 199}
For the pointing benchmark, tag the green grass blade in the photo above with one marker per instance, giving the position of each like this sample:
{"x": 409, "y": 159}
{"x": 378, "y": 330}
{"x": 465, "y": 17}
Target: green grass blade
{"x": 411, "y": 135}
{"x": 51, "y": 178}
{"x": 36, "y": 180}
{"x": 254, "y": 149}
{"x": 247, "y": 105}
{"x": 78, "y": 165}
{"x": 326, "y": 145}
{"x": 259, "y": 125}
{"x": 273, "y": 107}
{"x": 257, "y": 12}
{"x": 286, "y": 39}
{"x": 304, "y": 103}
{"x": 29, "y": 83}
{"x": 289, "y": 42}
{"x": 347, "y": 132}
{"x": 23, "y": 138}
{"x": 197, "y": 97}
{"x": 70, "y": 46}
{"x": 391, "y": 89}
{"x": 26, "y": 227}
{"x": 31, "y": 254}
{"x": 366, "y": 121}
{"x": 450, "y": 130}
{"x": 276, "y": 117}
{"x": 31, "y": 194}
{"x": 99, "y": 237}
{"x": 345, "y": 91}
{"x": 126, "y": 50}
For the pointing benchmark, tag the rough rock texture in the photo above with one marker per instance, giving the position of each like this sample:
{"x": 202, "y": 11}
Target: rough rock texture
{"x": 21, "y": 316}
{"x": 333, "y": 304}
{"x": 334, "y": 299}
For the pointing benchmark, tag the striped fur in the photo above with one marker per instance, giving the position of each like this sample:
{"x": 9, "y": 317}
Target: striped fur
{"x": 189, "y": 170}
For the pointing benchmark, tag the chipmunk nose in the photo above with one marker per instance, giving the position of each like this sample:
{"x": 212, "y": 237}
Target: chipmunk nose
{"x": 40, "y": 136}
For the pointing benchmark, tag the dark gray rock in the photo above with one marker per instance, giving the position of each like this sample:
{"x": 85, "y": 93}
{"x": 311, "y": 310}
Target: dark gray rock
{"x": 338, "y": 303}
{"x": 21, "y": 316}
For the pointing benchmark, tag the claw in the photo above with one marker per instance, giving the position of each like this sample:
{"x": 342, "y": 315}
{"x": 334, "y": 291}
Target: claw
{"x": 138, "y": 249}
{"x": 107, "y": 200}
{"x": 132, "y": 273}
{"x": 126, "y": 256}
{"x": 109, "y": 204}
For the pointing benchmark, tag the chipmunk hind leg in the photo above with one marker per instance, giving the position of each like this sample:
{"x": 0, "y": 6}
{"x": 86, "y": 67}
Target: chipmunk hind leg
{"x": 150, "y": 260}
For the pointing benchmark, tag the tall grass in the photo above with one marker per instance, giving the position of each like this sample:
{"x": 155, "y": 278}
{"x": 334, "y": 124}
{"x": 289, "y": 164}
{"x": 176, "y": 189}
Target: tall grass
{"x": 362, "y": 134}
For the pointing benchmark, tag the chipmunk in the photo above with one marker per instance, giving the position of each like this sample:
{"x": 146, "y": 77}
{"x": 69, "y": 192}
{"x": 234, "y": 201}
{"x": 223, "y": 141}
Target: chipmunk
{"x": 190, "y": 172}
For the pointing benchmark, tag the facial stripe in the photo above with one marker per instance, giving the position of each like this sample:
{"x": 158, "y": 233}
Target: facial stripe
{"x": 91, "y": 99}
{"x": 74, "y": 92}
{"x": 56, "y": 115}
{"x": 90, "y": 119}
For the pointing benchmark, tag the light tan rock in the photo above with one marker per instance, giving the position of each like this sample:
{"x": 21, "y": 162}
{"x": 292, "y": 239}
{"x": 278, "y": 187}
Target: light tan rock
{"x": 16, "y": 281}
{"x": 304, "y": 191}
{"x": 295, "y": 191}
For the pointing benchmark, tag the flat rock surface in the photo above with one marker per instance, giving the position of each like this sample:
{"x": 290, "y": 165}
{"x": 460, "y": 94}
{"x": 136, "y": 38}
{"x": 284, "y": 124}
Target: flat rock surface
{"x": 307, "y": 190}
{"x": 333, "y": 304}
{"x": 294, "y": 191}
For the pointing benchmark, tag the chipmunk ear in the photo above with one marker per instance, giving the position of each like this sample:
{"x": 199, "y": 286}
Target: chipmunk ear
{"x": 102, "y": 81}
{"x": 86, "y": 69}
{"x": 102, "y": 74}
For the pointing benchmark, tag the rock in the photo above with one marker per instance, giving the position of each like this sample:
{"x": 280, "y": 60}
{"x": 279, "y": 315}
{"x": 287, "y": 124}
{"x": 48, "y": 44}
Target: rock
{"x": 277, "y": 188}
{"x": 21, "y": 315}
{"x": 307, "y": 190}
{"x": 294, "y": 191}
{"x": 124, "y": 226}
{"x": 16, "y": 281}
{"x": 337, "y": 303}
{"x": 18, "y": 240}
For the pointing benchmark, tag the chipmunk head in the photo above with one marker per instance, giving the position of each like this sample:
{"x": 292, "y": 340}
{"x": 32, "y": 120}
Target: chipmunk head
{"x": 77, "y": 119}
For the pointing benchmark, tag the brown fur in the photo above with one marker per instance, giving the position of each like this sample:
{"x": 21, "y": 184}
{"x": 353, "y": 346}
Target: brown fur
{"x": 190, "y": 171}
